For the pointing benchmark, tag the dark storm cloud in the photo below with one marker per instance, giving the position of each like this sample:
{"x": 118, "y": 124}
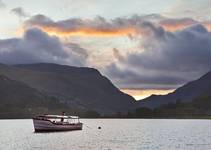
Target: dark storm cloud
{"x": 169, "y": 59}
{"x": 37, "y": 46}
{"x": 182, "y": 50}
{"x": 142, "y": 79}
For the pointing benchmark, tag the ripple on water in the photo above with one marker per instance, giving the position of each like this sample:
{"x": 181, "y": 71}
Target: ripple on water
{"x": 122, "y": 134}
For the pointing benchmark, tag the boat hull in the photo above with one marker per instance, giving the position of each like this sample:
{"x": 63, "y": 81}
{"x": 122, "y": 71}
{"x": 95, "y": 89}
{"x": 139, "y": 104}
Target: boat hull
{"x": 48, "y": 126}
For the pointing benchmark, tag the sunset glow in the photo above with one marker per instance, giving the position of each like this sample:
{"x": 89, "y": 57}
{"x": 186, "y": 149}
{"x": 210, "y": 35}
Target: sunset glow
{"x": 141, "y": 94}
{"x": 180, "y": 26}
{"x": 87, "y": 31}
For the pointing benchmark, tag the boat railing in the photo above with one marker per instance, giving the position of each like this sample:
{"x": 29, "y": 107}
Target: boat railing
{"x": 59, "y": 119}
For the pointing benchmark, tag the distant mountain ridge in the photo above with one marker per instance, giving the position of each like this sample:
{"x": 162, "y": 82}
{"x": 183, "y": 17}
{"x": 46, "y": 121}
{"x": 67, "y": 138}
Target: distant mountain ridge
{"x": 18, "y": 100}
{"x": 43, "y": 88}
{"x": 56, "y": 68}
{"x": 186, "y": 93}
{"x": 84, "y": 88}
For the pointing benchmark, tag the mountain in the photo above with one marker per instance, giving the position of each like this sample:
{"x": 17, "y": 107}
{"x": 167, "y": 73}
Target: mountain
{"x": 16, "y": 92}
{"x": 84, "y": 88}
{"x": 18, "y": 100}
{"x": 31, "y": 89}
{"x": 186, "y": 93}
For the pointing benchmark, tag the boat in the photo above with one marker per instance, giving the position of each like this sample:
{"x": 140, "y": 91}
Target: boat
{"x": 49, "y": 123}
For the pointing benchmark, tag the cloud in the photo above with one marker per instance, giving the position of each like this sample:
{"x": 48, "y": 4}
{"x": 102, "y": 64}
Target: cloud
{"x": 76, "y": 26}
{"x": 37, "y": 46}
{"x": 194, "y": 9}
{"x": 176, "y": 24}
{"x": 117, "y": 54}
{"x": 170, "y": 51}
{"x": 165, "y": 60}
{"x": 79, "y": 52}
{"x": 2, "y": 4}
{"x": 128, "y": 76}
{"x": 123, "y": 26}
{"x": 20, "y": 12}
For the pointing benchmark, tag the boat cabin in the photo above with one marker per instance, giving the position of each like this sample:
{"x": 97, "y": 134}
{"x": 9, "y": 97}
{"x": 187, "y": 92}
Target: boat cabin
{"x": 60, "y": 119}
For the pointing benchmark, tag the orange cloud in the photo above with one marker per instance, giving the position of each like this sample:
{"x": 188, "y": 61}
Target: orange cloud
{"x": 207, "y": 25}
{"x": 113, "y": 32}
{"x": 174, "y": 26}
{"x": 83, "y": 31}
{"x": 102, "y": 27}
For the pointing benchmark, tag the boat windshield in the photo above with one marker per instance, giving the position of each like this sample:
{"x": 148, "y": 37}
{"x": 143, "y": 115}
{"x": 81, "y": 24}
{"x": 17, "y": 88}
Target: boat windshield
{"x": 61, "y": 116}
{"x": 63, "y": 119}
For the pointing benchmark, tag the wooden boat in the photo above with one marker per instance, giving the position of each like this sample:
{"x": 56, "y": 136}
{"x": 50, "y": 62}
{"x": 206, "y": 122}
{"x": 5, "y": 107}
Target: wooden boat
{"x": 48, "y": 123}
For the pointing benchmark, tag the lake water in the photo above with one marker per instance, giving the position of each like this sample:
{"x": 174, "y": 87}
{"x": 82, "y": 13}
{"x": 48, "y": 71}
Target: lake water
{"x": 116, "y": 134}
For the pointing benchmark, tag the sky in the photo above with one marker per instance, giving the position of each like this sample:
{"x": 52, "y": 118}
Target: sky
{"x": 143, "y": 47}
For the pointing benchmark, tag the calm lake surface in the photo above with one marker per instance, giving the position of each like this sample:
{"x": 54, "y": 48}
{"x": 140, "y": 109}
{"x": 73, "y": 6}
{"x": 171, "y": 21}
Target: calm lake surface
{"x": 116, "y": 134}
